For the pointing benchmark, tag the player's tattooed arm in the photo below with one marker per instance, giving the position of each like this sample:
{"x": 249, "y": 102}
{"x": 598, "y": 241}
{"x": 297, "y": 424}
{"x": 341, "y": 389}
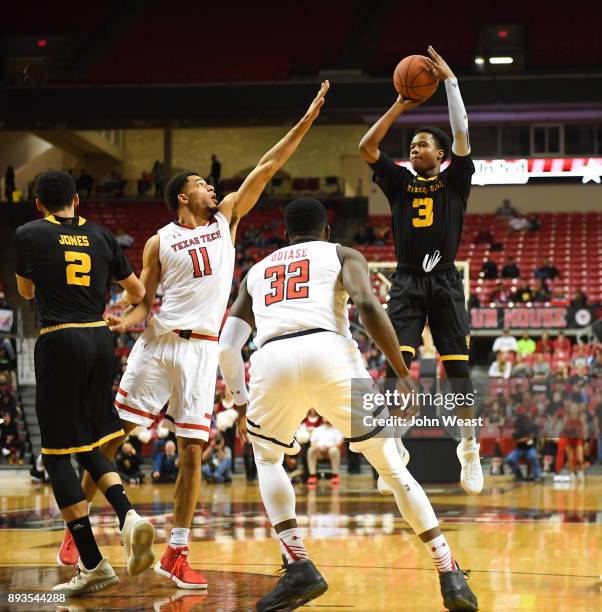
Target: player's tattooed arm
{"x": 237, "y": 204}
{"x": 150, "y": 276}
{"x": 356, "y": 280}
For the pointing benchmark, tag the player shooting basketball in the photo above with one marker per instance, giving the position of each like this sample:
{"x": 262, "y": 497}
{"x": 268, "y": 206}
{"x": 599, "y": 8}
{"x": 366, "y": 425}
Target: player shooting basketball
{"x": 427, "y": 216}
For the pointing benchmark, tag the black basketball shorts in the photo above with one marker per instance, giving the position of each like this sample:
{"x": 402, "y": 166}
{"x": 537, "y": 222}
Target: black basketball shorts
{"x": 437, "y": 299}
{"x": 74, "y": 368}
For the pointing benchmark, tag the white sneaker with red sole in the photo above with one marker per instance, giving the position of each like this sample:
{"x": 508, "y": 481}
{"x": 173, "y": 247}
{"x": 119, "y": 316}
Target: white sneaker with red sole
{"x": 174, "y": 565}
{"x": 68, "y": 553}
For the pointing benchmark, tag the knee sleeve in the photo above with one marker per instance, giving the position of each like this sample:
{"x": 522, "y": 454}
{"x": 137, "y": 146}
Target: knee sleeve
{"x": 95, "y": 463}
{"x": 275, "y": 487}
{"x": 65, "y": 484}
{"x": 411, "y": 499}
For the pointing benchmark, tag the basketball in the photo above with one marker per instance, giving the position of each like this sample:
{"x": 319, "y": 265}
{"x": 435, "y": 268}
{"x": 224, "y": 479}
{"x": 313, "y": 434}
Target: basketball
{"x": 413, "y": 78}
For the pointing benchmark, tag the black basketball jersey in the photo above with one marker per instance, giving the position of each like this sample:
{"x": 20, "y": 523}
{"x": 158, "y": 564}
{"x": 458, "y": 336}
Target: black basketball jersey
{"x": 427, "y": 214}
{"x": 70, "y": 262}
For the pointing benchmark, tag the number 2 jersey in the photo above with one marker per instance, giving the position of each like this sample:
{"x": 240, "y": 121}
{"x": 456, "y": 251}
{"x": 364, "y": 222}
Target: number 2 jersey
{"x": 70, "y": 261}
{"x": 427, "y": 213}
{"x": 298, "y": 288}
{"x": 197, "y": 265}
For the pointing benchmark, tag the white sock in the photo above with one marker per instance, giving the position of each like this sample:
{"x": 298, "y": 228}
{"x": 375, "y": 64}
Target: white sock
{"x": 469, "y": 444}
{"x": 179, "y": 537}
{"x": 291, "y": 545}
{"x": 439, "y": 550}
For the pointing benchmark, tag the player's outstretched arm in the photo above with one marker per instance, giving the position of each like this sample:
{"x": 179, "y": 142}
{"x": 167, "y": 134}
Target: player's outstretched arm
{"x": 369, "y": 144}
{"x": 235, "y": 333}
{"x": 356, "y": 280}
{"x": 149, "y": 278}
{"x": 237, "y": 204}
{"x": 457, "y": 112}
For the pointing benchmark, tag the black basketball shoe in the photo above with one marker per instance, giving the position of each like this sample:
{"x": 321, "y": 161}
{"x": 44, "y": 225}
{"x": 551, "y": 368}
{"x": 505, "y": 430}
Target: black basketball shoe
{"x": 456, "y": 593}
{"x": 300, "y": 582}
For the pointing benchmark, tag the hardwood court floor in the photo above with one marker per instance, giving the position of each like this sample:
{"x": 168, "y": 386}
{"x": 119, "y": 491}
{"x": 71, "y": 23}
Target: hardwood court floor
{"x": 530, "y": 547}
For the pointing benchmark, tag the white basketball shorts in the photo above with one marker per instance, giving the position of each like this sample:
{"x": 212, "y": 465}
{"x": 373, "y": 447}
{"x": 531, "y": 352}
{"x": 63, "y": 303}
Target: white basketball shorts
{"x": 290, "y": 376}
{"x": 175, "y": 370}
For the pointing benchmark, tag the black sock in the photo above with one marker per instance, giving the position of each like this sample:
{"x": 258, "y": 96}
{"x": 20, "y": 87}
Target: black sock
{"x": 119, "y": 500}
{"x": 84, "y": 540}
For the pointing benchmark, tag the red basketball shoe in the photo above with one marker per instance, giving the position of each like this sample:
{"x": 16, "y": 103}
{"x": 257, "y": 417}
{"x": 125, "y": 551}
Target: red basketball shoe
{"x": 68, "y": 553}
{"x": 174, "y": 565}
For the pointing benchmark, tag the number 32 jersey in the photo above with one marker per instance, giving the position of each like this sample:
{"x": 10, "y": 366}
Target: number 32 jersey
{"x": 297, "y": 288}
{"x": 197, "y": 265}
{"x": 70, "y": 261}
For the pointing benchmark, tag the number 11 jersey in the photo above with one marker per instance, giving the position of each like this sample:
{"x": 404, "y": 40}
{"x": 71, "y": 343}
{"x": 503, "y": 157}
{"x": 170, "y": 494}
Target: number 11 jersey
{"x": 197, "y": 265}
{"x": 298, "y": 288}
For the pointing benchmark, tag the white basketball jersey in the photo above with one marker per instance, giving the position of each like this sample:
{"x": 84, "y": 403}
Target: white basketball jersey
{"x": 297, "y": 288}
{"x": 197, "y": 265}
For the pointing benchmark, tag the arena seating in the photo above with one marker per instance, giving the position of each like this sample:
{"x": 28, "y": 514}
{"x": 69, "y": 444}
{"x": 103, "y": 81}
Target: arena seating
{"x": 573, "y": 241}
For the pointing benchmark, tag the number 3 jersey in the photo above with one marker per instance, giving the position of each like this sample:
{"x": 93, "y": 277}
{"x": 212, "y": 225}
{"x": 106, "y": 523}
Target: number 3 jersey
{"x": 197, "y": 265}
{"x": 298, "y": 288}
{"x": 427, "y": 213}
{"x": 70, "y": 261}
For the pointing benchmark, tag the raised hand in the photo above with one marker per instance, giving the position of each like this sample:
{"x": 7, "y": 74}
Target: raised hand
{"x": 314, "y": 108}
{"x": 408, "y": 104}
{"x": 438, "y": 65}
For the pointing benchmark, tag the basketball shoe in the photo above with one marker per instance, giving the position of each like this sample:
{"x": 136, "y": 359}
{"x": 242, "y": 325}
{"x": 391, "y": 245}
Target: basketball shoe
{"x": 383, "y": 487}
{"x": 471, "y": 476}
{"x": 88, "y": 581}
{"x": 300, "y": 582}
{"x": 137, "y": 536}
{"x": 68, "y": 553}
{"x": 174, "y": 565}
{"x": 456, "y": 593}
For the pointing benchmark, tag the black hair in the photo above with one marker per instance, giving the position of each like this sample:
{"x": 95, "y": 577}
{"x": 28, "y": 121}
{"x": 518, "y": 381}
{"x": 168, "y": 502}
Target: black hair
{"x": 441, "y": 138}
{"x": 175, "y": 187}
{"x": 55, "y": 189}
{"x": 304, "y": 217}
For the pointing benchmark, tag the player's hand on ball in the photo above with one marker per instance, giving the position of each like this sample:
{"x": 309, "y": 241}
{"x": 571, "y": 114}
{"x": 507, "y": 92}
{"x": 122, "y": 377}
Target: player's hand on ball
{"x": 314, "y": 108}
{"x": 408, "y": 104}
{"x": 439, "y": 65}
{"x": 116, "y": 324}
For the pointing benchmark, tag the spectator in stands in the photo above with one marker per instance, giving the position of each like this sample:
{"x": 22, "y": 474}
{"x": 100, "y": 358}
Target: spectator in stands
{"x": 325, "y": 443}
{"x": 128, "y": 464}
{"x": 562, "y": 343}
{"x": 540, "y": 291}
{"x": 505, "y": 343}
{"x": 595, "y": 366}
{"x": 489, "y": 270}
{"x": 483, "y": 236}
{"x": 9, "y": 184}
{"x": 580, "y": 358}
{"x": 473, "y": 301}
{"x": 526, "y": 345}
{"x": 375, "y": 360}
{"x": 558, "y": 297}
{"x": 217, "y": 461}
{"x": 548, "y": 271}
{"x": 166, "y": 464}
{"x": 144, "y": 183}
{"x": 158, "y": 173}
{"x": 124, "y": 240}
{"x": 216, "y": 171}
{"x": 85, "y": 182}
{"x": 499, "y": 295}
{"x": 6, "y": 363}
{"x": 510, "y": 270}
{"x": 579, "y": 299}
{"x": 506, "y": 211}
{"x": 8, "y": 404}
{"x": 11, "y": 444}
{"x": 540, "y": 368}
{"x": 521, "y": 369}
{"x": 518, "y": 224}
{"x": 545, "y": 344}
{"x": 501, "y": 367}
{"x": 525, "y": 432}
{"x": 522, "y": 293}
